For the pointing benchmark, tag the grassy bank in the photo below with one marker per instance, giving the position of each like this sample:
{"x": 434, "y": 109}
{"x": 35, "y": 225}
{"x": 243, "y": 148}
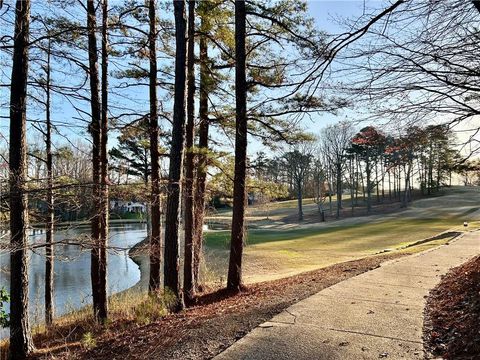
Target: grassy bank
{"x": 132, "y": 313}
{"x": 366, "y": 236}
{"x": 284, "y": 251}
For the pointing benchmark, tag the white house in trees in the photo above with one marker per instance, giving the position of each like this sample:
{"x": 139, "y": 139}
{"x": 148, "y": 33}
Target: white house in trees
{"x": 121, "y": 206}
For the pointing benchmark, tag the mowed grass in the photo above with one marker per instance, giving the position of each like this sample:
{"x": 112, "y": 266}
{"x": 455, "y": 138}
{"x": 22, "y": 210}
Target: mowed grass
{"x": 360, "y": 236}
{"x": 276, "y": 253}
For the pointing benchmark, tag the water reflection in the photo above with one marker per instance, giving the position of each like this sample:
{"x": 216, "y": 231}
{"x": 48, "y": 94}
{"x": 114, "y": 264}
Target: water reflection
{"x": 72, "y": 268}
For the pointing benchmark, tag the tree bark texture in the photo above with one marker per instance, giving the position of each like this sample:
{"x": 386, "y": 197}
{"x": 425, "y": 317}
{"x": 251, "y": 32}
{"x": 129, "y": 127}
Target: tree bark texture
{"x": 155, "y": 239}
{"x": 49, "y": 254}
{"x": 95, "y": 131}
{"x": 202, "y": 161}
{"x": 21, "y": 343}
{"x": 172, "y": 261}
{"x": 234, "y": 280}
{"x": 103, "y": 241}
{"x": 188, "y": 276}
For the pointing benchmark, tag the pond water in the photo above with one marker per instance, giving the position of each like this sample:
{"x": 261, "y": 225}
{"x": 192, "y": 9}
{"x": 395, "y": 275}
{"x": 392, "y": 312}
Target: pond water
{"x": 72, "y": 287}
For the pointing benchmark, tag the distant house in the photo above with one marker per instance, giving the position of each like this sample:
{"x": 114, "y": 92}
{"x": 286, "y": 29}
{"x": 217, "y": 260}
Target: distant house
{"x": 121, "y": 206}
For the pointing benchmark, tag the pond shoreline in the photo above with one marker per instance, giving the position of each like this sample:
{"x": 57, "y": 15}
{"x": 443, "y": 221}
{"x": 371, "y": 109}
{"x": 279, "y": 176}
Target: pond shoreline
{"x": 138, "y": 254}
{"x": 127, "y": 273}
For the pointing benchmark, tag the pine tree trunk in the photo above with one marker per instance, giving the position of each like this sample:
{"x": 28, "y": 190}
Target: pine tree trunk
{"x": 49, "y": 262}
{"x": 234, "y": 280}
{"x": 202, "y": 159}
{"x": 299, "y": 200}
{"x": 339, "y": 188}
{"x": 155, "y": 238}
{"x": 399, "y": 183}
{"x": 439, "y": 174}
{"x": 102, "y": 266}
{"x": 356, "y": 180}
{"x": 425, "y": 181}
{"x": 21, "y": 343}
{"x": 382, "y": 168}
{"x": 394, "y": 184}
{"x": 362, "y": 179}
{"x": 430, "y": 171}
{"x": 389, "y": 186}
{"x": 188, "y": 276}
{"x": 352, "y": 181}
{"x": 172, "y": 263}
{"x": 95, "y": 131}
{"x": 369, "y": 186}
{"x": 330, "y": 198}
{"x": 406, "y": 192}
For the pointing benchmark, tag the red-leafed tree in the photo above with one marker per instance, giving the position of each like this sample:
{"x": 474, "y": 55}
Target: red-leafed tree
{"x": 368, "y": 144}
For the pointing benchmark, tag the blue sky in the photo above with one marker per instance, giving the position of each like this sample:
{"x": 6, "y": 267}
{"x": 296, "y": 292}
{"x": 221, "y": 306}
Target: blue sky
{"x": 328, "y": 15}
{"x": 325, "y": 14}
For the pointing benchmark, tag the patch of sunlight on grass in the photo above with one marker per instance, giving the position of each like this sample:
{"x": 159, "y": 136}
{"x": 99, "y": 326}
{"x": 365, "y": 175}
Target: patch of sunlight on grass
{"x": 359, "y": 236}
{"x": 288, "y": 252}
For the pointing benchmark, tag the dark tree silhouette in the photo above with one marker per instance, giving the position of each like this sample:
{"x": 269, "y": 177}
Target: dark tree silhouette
{"x": 298, "y": 163}
{"x": 202, "y": 158}
{"x": 99, "y": 309}
{"x": 155, "y": 239}
{"x": 102, "y": 266}
{"x": 234, "y": 280}
{"x": 171, "y": 269}
{"x": 21, "y": 343}
{"x": 188, "y": 275}
{"x": 49, "y": 263}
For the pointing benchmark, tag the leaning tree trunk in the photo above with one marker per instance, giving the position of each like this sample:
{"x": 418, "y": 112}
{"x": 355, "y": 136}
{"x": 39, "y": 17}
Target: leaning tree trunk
{"x": 95, "y": 131}
{"x": 21, "y": 343}
{"x": 155, "y": 212}
{"x": 234, "y": 280}
{"x": 202, "y": 158}
{"x": 102, "y": 266}
{"x": 49, "y": 262}
{"x": 172, "y": 263}
{"x": 188, "y": 276}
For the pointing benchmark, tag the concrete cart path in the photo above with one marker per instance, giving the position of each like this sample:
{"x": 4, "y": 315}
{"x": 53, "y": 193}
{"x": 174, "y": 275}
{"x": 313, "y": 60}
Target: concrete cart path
{"x": 378, "y": 314}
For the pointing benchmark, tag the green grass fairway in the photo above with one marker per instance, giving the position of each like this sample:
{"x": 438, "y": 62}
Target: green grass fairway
{"x": 366, "y": 236}
{"x": 287, "y": 249}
